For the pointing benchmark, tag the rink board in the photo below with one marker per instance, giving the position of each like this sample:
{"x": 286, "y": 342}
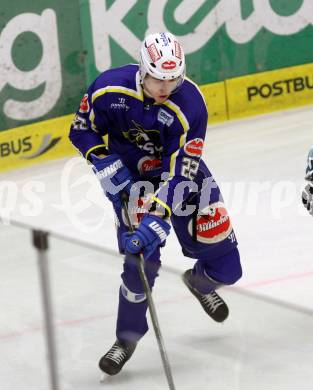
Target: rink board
{"x": 215, "y": 97}
{"x": 42, "y": 141}
{"x": 231, "y": 99}
{"x": 270, "y": 91}
{"x": 259, "y": 93}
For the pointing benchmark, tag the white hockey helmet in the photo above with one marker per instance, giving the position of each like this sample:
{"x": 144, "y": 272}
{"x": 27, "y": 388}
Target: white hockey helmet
{"x": 162, "y": 57}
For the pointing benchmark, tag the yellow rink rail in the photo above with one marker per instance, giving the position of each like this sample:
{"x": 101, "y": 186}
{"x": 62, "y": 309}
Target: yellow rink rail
{"x": 30, "y": 144}
{"x": 270, "y": 91}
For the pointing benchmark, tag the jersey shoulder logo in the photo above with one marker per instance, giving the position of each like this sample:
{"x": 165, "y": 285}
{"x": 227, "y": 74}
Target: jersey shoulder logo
{"x": 165, "y": 118}
{"x": 194, "y": 147}
{"x": 84, "y": 104}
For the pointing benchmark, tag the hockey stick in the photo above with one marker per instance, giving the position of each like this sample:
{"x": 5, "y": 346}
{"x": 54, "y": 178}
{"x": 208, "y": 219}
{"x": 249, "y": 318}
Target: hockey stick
{"x": 151, "y": 306}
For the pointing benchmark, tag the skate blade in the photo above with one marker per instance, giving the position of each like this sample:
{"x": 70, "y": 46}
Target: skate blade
{"x": 103, "y": 378}
{"x": 106, "y": 378}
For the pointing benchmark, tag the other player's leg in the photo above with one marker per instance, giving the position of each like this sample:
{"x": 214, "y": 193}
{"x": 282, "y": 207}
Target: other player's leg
{"x": 208, "y": 236}
{"x": 203, "y": 285}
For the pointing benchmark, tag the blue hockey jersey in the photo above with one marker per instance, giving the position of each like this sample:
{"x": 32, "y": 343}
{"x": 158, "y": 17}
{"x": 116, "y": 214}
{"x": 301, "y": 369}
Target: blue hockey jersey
{"x": 115, "y": 116}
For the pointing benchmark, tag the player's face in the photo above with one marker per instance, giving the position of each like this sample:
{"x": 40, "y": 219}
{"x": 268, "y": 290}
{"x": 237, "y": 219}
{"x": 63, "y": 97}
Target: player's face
{"x": 160, "y": 90}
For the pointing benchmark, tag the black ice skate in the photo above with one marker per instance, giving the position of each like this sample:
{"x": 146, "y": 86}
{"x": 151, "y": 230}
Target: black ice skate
{"x": 113, "y": 361}
{"x": 212, "y": 303}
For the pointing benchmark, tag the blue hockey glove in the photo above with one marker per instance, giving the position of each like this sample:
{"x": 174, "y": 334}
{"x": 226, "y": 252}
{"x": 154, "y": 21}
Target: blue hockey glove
{"x": 113, "y": 175}
{"x": 151, "y": 233}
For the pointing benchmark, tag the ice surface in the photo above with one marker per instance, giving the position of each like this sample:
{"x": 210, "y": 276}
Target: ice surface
{"x": 266, "y": 342}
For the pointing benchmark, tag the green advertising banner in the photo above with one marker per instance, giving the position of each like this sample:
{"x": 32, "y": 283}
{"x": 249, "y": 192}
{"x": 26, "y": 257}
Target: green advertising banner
{"x": 51, "y": 50}
{"x": 222, "y": 39}
{"x": 42, "y": 70}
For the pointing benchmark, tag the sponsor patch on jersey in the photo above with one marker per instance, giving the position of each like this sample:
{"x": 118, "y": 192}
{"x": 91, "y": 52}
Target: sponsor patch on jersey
{"x": 84, "y": 104}
{"x": 165, "y": 118}
{"x": 148, "y": 164}
{"x": 169, "y": 65}
{"x": 194, "y": 147}
{"x": 153, "y": 52}
{"x": 213, "y": 225}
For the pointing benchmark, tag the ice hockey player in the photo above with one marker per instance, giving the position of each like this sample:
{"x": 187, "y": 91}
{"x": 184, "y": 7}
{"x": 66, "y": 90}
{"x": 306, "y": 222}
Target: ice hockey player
{"x": 155, "y": 120}
{"x": 307, "y": 193}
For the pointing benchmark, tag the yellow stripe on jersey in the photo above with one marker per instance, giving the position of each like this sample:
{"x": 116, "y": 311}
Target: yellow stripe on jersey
{"x": 117, "y": 89}
{"x": 185, "y": 125}
{"x": 173, "y": 163}
{"x": 180, "y": 115}
{"x": 197, "y": 87}
{"x": 94, "y": 128}
{"x": 92, "y": 119}
{"x": 182, "y": 140}
{"x": 174, "y": 155}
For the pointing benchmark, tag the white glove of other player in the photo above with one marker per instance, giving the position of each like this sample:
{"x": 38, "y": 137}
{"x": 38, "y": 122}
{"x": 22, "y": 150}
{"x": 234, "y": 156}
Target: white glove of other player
{"x": 307, "y": 193}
